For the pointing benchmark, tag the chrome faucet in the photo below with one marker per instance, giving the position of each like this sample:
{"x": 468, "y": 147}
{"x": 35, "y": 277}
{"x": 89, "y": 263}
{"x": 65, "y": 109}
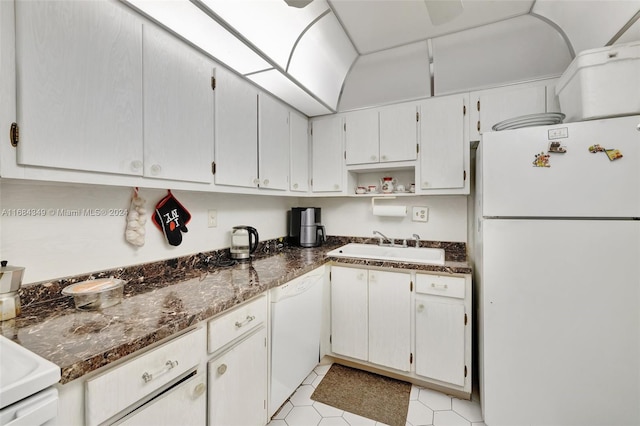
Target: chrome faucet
{"x": 417, "y": 238}
{"x": 382, "y": 238}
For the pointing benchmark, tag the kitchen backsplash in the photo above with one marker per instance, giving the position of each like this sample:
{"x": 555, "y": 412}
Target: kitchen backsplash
{"x": 147, "y": 276}
{"x": 53, "y": 246}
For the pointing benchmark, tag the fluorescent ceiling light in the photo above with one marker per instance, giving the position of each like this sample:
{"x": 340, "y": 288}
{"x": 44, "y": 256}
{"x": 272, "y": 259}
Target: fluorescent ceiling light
{"x": 270, "y": 25}
{"x": 281, "y": 86}
{"x": 191, "y": 23}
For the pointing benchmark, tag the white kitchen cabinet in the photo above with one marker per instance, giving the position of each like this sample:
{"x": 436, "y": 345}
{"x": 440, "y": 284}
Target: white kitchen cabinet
{"x": 236, "y": 130}
{"x": 237, "y": 371}
{"x": 142, "y": 385}
{"x": 349, "y": 312}
{"x": 491, "y": 106}
{"x": 398, "y": 133}
{"x": 238, "y": 383}
{"x": 178, "y": 109}
{"x": 251, "y": 135}
{"x": 390, "y": 319}
{"x": 327, "y": 154}
{"x": 79, "y": 86}
{"x": 299, "y": 153}
{"x": 442, "y": 328}
{"x": 362, "y": 139}
{"x": 444, "y": 149}
{"x": 381, "y": 135}
{"x": 371, "y": 316}
{"x": 273, "y": 143}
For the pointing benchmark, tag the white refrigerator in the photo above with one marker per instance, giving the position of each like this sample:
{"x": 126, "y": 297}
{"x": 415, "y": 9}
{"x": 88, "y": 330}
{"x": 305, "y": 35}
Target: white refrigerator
{"x": 558, "y": 274}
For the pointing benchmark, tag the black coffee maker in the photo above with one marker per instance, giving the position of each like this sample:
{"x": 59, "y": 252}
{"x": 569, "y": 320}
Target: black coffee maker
{"x": 305, "y": 229}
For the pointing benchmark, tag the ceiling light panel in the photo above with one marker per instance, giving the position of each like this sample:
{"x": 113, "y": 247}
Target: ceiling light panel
{"x": 322, "y": 59}
{"x": 191, "y": 23}
{"x": 270, "y": 25}
{"x": 277, "y": 83}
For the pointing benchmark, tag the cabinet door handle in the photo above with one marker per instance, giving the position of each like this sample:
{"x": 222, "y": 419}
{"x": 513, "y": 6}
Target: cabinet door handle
{"x": 136, "y": 165}
{"x": 256, "y": 182}
{"x": 384, "y": 158}
{"x": 155, "y": 169}
{"x": 374, "y": 158}
{"x": 222, "y": 368}
{"x": 199, "y": 389}
{"x": 147, "y": 377}
{"x": 266, "y": 182}
{"x": 246, "y": 321}
{"x": 420, "y": 307}
{"x": 295, "y": 186}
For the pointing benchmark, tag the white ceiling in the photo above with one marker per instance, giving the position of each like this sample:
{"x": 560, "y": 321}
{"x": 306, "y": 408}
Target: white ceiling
{"x": 309, "y": 56}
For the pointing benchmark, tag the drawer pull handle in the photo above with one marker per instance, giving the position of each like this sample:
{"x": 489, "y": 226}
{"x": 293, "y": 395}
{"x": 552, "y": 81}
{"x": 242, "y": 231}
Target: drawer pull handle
{"x": 222, "y": 369}
{"x": 245, "y": 322}
{"x": 439, "y": 286}
{"x": 147, "y": 377}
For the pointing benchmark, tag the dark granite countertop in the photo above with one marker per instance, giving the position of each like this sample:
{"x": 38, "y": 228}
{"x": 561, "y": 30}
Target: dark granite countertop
{"x": 160, "y": 300}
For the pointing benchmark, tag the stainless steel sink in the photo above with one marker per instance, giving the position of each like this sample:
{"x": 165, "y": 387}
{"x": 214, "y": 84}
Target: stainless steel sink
{"x": 421, "y": 255}
{"x": 23, "y": 373}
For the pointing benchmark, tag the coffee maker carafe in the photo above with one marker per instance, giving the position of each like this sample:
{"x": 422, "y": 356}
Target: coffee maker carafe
{"x": 244, "y": 241}
{"x": 305, "y": 228}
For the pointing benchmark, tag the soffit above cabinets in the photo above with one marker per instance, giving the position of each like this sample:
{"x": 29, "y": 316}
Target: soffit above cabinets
{"x": 319, "y": 57}
{"x": 382, "y": 24}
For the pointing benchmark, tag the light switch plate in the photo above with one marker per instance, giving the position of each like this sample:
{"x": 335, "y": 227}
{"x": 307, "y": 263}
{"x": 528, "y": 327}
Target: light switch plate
{"x": 420, "y": 214}
{"x": 212, "y": 218}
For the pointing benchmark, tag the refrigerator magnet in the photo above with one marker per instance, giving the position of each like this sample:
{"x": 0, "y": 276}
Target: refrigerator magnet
{"x": 556, "y": 148}
{"x": 541, "y": 160}
{"x": 613, "y": 154}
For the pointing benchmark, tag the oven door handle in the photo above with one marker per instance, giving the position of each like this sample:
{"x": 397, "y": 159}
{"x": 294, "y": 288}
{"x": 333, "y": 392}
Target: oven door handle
{"x": 37, "y": 412}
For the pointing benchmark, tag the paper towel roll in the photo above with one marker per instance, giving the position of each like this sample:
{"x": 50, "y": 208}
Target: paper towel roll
{"x": 395, "y": 211}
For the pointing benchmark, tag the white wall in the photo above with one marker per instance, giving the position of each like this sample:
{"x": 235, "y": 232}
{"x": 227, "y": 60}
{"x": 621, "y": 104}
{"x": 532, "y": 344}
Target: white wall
{"x": 54, "y": 246}
{"x": 447, "y": 219}
{"x": 58, "y": 246}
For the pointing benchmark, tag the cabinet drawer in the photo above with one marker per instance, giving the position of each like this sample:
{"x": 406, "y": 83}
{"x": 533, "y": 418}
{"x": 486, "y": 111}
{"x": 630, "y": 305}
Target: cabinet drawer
{"x": 440, "y": 285}
{"x": 122, "y": 386}
{"x": 234, "y": 324}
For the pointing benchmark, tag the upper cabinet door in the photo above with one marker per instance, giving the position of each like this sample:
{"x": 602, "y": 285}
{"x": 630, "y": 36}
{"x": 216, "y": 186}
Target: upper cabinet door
{"x": 489, "y": 107}
{"x": 398, "y": 133}
{"x": 178, "y": 109}
{"x": 299, "y": 169}
{"x": 362, "y": 137}
{"x": 327, "y": 154}
{"x": 274, "y": 144}
{"x": 444, "y": 153}
{"x": 79, "y": 86}
{"x": 236, "y": 131}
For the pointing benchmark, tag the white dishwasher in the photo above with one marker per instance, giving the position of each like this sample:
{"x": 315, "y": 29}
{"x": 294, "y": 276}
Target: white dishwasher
{"x": 296, "y": 314}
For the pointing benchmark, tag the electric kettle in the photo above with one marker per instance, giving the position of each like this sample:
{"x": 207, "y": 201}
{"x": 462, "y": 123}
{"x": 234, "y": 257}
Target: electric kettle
{"x": 244, "y": 241}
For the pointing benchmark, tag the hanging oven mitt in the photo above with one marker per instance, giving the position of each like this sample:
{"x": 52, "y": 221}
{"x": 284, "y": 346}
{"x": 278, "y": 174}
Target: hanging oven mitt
{"x": 171, "y": 218}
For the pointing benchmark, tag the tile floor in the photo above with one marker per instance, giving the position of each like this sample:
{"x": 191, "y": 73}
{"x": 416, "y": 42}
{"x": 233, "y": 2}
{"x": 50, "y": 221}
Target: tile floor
{"x": 426, "y": 407}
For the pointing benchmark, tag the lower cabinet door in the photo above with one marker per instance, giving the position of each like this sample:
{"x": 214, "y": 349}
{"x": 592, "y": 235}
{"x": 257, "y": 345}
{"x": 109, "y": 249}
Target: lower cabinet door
{"x": 184, "y": 404}
{"x": 238, "y": 384}
{"x": 390, "y": 319}
{"x": 349, "y": 312}
{"x": 440, "y": 340}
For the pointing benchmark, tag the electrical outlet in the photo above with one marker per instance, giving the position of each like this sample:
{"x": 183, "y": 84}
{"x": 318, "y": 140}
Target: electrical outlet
{"x": 212, "y": 218}
{"x": 420, "y": 214}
